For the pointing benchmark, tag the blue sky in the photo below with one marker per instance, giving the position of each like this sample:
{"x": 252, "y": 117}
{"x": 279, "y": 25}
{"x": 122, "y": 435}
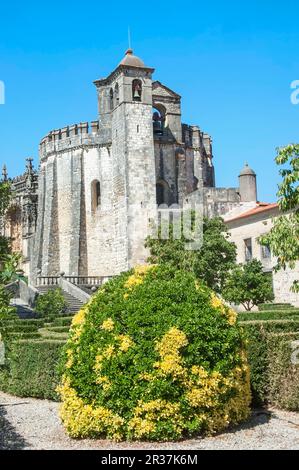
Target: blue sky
{"x": 232, "y": 62}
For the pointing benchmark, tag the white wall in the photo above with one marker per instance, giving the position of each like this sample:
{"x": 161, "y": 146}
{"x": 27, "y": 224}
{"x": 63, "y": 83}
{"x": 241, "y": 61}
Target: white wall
{"x": 253, "y": 227}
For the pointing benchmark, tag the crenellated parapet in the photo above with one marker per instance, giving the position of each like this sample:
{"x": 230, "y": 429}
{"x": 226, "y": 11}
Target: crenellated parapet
{"x": 82, "y": 135}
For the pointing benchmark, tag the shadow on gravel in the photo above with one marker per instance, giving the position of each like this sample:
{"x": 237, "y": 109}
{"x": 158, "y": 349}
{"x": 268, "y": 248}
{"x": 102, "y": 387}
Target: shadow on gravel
{"x": 257, "y": 418}
{"x": 9, "y": 438}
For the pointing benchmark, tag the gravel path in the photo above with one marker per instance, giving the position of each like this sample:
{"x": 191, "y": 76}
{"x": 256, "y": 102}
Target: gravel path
{"x": 27, "y": 423}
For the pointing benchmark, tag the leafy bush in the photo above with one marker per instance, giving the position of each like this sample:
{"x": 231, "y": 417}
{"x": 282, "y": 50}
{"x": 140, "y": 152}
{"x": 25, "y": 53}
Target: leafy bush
{"x": 51, "y": 304}
{"x": 154, "y": 355}
{"x": 31, "y": 368}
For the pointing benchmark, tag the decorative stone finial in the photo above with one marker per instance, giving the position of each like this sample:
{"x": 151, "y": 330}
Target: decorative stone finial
{"x": 4, "y": 173}
{"x": 29, "y": 165}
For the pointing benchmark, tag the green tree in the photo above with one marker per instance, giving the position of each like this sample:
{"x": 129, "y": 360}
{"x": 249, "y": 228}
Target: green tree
{"x": 248, "y": 285}
{"x": 283, "y": 239}
{"x": 210, "y": 264}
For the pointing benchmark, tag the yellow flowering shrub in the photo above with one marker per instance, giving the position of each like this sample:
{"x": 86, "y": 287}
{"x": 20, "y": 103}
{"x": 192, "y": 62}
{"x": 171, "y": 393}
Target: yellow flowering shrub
{"x": 163, "y": 362}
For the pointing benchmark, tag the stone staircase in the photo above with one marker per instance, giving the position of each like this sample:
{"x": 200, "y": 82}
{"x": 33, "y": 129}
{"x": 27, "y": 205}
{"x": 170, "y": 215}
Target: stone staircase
{"x": 74, "y": 305}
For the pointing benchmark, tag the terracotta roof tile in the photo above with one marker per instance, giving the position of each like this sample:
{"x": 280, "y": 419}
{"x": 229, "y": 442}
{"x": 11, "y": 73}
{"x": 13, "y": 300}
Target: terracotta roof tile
{"x": 260, "y": 207}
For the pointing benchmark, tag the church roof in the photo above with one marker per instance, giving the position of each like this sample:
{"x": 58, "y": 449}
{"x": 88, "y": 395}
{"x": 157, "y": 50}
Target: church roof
{"x": 132, "y": 60}
{"x": 247, "y": 171}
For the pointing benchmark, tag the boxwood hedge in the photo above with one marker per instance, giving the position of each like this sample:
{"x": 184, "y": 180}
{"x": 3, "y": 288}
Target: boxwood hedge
{"x": 30, "y": 369}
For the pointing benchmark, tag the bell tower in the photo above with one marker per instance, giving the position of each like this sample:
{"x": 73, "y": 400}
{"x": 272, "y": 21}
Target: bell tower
{"x": 127, "y": 95}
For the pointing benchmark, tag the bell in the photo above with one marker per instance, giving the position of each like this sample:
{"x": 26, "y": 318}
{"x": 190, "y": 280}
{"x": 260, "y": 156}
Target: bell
{"x": 136, "y": 93}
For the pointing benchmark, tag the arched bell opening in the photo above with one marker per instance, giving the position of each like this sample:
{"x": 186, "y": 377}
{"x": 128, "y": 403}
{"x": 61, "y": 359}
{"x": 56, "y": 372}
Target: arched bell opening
{"x": 136, "y": 90}
{"x": 159, "y": 119}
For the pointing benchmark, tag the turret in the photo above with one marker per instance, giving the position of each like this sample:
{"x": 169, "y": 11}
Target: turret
{"x": 247, "y": 184}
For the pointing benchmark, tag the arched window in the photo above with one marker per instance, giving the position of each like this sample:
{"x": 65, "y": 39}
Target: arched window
{"x": 111, "y": 104}
{"x": 95, "y": 195}
{"x": 116, "y": 94}
{"x": 136, "y": 90}
{"x": 163, "y": 193}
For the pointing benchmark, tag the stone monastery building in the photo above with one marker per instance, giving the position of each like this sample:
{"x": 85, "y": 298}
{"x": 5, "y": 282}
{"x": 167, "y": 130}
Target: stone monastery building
{"x": 87, "y": 209}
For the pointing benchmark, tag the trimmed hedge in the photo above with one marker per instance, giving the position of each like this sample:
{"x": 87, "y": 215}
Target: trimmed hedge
{"x": 270, "y": 315}
{"x": 63, "y": 321}
{"x": 20, "y": 335}
{"x": 59, "y": 329}
{"x": 273, "y": 306}
{"x": 283, "y": 376}
{"x": 19, "y": 328}
{"x": 31, "y": 357}
{"x": 31, "y": 368}
{"x": 274, "y": 379}
{"x": 274, "y": 326}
